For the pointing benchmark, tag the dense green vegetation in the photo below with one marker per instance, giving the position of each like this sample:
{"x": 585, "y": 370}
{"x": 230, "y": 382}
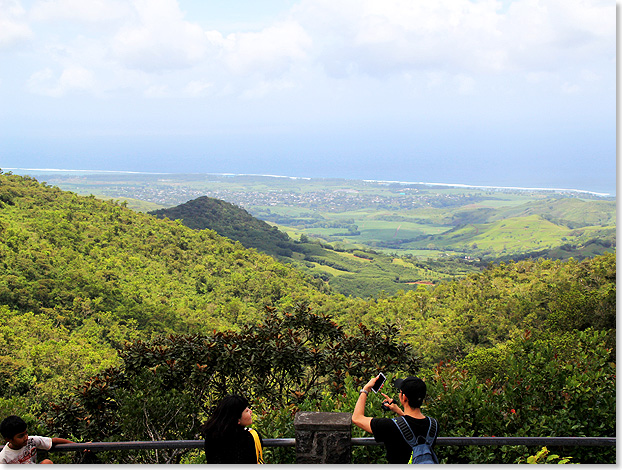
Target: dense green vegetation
{"x": 232, "y": 222}
{"x": 115, "y": 324}
{"x": 355, "y": 272}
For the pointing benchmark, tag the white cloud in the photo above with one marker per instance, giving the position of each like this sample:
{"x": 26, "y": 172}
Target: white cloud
{"x": 198, "y": 88}
{"x": 269, "y": 51}
{"x": 590, "y": 76}
{"x": 157, "y": 91}
{"x": 466, "y": 85}
{"x": 264, "y": 88}
{"x": 76, "y": 78}
{"x": 540, "y": 77}
{"x": 396, "y": 35}
{"x": 158, "y": 38}
{"x": 45, "y": 82}
{"x": 570, "y": 88}
{"x": 87, "y": 11}
{"x": 13, "y": 27}
{"x": 459, "y": 36}
{"x": 138, "y": 44}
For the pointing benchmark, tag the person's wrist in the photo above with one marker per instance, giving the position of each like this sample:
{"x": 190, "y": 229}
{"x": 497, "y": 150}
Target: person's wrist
{"x": 366, "y": 392}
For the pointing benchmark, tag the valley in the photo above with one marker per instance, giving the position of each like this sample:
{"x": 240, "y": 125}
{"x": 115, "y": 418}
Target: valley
{"x": 417, "y": 220}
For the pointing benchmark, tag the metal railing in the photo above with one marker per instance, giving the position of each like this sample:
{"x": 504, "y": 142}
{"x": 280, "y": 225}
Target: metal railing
{"x": 356, "y": 441}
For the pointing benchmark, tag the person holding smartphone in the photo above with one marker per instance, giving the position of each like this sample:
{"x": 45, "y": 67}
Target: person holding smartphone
{"x": 412, "y": 391}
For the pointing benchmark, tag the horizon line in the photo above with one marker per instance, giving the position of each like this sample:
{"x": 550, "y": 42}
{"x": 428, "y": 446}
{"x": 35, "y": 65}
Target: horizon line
{"x": 458, "y": 185}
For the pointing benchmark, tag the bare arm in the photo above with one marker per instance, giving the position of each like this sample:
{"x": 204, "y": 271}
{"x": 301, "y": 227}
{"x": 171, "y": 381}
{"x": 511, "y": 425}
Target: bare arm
{"x": 60, "y": 440}
{"x": 358, "y": 415}
{"x": 392, "y": 405}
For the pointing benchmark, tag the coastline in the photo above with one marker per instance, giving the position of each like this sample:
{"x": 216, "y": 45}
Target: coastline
{"x": 453, "y": 185}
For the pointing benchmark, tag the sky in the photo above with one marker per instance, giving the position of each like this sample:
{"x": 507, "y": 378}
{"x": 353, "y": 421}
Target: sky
{"x": 500, "y": 93}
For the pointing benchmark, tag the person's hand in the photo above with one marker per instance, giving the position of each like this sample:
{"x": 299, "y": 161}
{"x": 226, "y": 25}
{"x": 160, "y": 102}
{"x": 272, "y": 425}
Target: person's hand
{"x": 391, "y": 404}
{"x": 369, "y": 384}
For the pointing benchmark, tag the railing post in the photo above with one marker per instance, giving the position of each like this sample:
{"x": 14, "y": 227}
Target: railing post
{"x": 323, "y": 438}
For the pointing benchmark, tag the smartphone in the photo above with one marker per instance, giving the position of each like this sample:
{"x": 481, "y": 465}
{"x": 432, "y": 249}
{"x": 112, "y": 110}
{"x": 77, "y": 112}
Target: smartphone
{"x": 379, "y": 383}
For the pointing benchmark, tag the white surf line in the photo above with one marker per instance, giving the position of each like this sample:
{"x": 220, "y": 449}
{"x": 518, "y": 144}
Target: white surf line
{"x": 455, "y": 185}
{"x": 519, "y": 188}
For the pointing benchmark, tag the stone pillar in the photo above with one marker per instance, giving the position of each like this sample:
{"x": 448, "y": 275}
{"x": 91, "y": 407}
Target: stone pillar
{"x": 323, "y": 437}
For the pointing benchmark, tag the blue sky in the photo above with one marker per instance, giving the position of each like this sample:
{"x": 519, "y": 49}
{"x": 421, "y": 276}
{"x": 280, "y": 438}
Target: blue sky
{"x": 500, "y": 93}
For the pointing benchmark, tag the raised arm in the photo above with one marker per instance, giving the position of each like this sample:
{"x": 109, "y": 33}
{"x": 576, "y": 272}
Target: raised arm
{"x": 358, "y": 415}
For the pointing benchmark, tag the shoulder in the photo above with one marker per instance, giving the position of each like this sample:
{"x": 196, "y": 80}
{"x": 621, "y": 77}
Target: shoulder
{"x": 19, "y": 456}
{"x": 4, "y": 452}
{"x": 419, "y": 423}
{"x": 248, "y": 433}
{"x": 421, "y": 427}
{"x": 41, "y": 442}
{"x": 254, "y": 433}
{"x": 382, "y": 422}
{"x": 380, "y": 427}
{"x": 235, "y": 447}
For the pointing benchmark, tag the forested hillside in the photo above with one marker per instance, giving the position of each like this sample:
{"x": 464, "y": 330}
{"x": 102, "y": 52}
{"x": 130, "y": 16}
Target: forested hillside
{"x": 353, "y": 272}
{"x": 232, "y": 222}
{"x": 117, "y": 325}
{"x": 82, "y": 272}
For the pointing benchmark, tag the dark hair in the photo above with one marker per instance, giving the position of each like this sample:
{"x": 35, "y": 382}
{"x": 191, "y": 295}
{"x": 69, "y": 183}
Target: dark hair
{"x": 12, "y": 425}
{"x": 414, "y": 388}
{"x": 226, "y": 416}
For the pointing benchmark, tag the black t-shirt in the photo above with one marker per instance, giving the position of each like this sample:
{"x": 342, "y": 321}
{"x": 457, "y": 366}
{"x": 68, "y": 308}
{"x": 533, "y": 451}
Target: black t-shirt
{"x": 398, "y": 450}
{"x": 237, "y": 447}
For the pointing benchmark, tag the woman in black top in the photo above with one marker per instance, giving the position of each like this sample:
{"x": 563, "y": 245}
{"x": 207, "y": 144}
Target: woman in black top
{"x": 226, "y": 439}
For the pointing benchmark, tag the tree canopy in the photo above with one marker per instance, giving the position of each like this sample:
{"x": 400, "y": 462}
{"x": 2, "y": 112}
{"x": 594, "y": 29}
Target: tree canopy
{"x": 106, "y": 315}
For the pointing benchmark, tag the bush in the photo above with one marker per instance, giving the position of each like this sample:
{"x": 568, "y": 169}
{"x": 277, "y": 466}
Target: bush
{"x": 557, "y": 386}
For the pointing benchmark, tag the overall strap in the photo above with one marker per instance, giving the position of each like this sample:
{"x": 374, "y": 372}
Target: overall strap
{"x": 432, "y": 431}
{"x": 404, "y": 428}
{"x": 258, "y": 449}
{"x": 408, "y": 434}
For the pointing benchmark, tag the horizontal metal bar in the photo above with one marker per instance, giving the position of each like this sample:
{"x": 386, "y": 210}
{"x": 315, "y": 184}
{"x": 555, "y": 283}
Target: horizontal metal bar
{"x": 528, "y": 441}
{"x": 357, "y": 441}
{"x": 510, "y": 441}
{"x": 129, "y": 445}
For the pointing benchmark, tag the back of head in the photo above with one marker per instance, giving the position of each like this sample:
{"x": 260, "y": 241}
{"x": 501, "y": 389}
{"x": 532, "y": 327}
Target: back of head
{"x": 414, "y": 388}
{"x": 226, "y": 416}
{"x": 12, "y": 425}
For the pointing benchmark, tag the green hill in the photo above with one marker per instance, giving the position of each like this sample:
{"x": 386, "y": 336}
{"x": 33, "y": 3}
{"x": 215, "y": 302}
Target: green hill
{"x": 232, "y": 222}
{"x": 356, "y": 272}
{"x": 570, "y": 212}
{"x": 553, "y": 228}
{"x": 556, "y": 228}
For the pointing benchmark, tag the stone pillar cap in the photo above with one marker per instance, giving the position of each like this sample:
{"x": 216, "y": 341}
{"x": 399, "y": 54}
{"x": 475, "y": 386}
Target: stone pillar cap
{"x": 323, "y": 420}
